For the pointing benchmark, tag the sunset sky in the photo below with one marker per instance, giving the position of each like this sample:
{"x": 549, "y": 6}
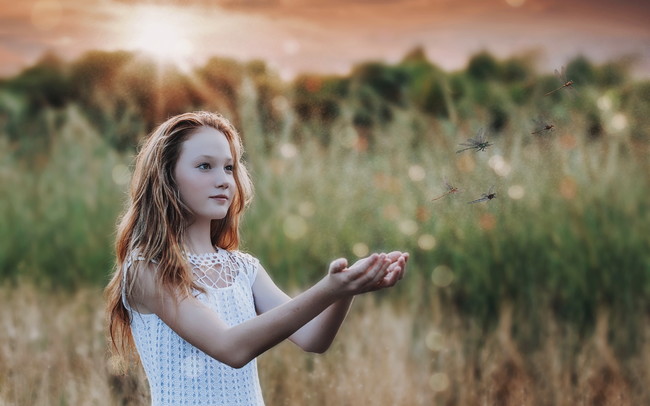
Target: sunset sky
{"x": 326, "y": 35}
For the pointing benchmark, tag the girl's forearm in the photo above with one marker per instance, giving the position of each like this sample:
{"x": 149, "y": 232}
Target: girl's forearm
{"x": 319, "y": 333}
{"x": 263, "y": 332}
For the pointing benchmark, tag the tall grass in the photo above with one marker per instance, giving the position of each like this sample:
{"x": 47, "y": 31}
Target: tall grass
{"x": 568, "y": 229}
{"x": 53, "y": 352}
{"x": 59, "y": 207}
{"x": 547, "y": 281}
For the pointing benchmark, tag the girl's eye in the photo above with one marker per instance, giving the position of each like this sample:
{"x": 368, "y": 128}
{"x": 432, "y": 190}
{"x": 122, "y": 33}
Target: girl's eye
{"x": 230, "y": 168}
{"x": 204, "y": 166}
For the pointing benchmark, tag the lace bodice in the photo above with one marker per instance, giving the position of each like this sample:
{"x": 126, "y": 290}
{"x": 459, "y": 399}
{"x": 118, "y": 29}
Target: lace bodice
{"x": 180, "y": 374}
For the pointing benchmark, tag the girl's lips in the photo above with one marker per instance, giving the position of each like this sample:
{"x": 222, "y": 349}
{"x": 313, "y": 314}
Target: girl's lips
{"x": 219, "y": 197}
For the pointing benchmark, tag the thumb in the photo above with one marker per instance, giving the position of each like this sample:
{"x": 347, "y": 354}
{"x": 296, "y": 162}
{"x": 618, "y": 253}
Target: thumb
{"x": 338, "y": 265}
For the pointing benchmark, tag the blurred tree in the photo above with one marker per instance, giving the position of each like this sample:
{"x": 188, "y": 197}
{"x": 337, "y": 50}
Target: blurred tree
{"x": 45, "y": 84}
{"x": 425, "y": 87}
{"x": 581, "y": 71}
{"x": 614, "y": 73}
{"x": 97, "y": 71}
{"x": 389, "y": 82}
{"x": 317, "y": 99}
{"x": 483, "y": 66}
{"x": 220, "y": 80}
{"x": 268, "y": 87}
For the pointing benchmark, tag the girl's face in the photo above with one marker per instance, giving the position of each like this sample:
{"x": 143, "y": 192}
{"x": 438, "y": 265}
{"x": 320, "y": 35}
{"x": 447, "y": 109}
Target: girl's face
{"x": 205, "y": 174}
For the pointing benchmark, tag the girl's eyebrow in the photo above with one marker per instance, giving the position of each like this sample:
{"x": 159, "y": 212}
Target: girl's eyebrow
{"x": 204, "y": 156}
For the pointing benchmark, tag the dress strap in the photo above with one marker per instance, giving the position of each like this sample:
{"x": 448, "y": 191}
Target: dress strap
{"x": 125, "y": 267}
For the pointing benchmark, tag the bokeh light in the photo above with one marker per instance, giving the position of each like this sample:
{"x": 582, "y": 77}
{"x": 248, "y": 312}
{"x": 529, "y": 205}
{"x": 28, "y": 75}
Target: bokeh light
{"x": 516, "y": 192}
{"x": 360, "y": 249}
{"x": 427, "y": 242}
{"x": 121, "y": 174}
{"x": 568, "y": 188}
{"x": 390, "y": 212}
{"x": 306, "y": 208}
{"x": 295, "y": 227}
{"x": 435, "y": 341}
{"x": 604, "y": 103}
{"x": 280, "y": 103}
{"x": 417, "y": 173}
{"x": 619, "y": 122}
{"x": 487, "y": 221}
{"x": 442, "y": 276}
{"x": 288, "y": 150}
{"x": 439, "y": 382}
{"x": 408, "y": 227}
{"x": 499, "y": 165}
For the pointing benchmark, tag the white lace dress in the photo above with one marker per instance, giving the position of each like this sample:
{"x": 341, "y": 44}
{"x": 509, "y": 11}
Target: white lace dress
{"x": 180, "y": 374}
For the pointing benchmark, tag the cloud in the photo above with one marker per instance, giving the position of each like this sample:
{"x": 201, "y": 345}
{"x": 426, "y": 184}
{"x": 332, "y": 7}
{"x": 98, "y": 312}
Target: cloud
{"x": 329, "y": 35}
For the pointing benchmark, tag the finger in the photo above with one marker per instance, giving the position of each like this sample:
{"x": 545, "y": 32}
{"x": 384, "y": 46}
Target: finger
{"x": 338, "y": 265}
{"x": 394, "y": 255}
{"x": 400, "y": 266}
{"x": 390, "y": 280}
{"x": 395, "y": 273}
{"x": 379, "y": 272}
{"x": 367, "y": 274}
{"x": 360, "y": 267}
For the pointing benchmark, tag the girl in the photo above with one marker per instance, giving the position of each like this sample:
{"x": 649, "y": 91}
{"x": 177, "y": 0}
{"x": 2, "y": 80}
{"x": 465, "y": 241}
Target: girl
{"x": 197, "y": 310}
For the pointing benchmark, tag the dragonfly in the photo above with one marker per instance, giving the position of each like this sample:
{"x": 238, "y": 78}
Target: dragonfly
{"x": 479, "y": 143}
{"x": 486, "y": 196}
{"x": 542, "y": 126}
{"x": 450, "y": 190}
{"x": 561, "y": 75}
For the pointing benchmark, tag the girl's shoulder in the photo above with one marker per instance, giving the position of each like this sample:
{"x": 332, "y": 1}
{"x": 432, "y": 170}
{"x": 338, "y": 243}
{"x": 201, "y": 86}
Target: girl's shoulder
{"x": 243, "y": 258}
{"x": 246, "y": 262}
{"x": 134, "y": 256}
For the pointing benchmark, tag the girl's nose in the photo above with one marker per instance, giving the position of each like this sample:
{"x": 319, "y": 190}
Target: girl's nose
{"x": 221, "y": 181}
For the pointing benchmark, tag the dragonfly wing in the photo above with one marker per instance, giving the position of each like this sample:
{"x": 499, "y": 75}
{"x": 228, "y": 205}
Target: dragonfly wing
{"x": 561, "y": 74}
{"x": 481, "y": 135}
{"x": 482, "y": 199}
{"x": 571, "y": 91}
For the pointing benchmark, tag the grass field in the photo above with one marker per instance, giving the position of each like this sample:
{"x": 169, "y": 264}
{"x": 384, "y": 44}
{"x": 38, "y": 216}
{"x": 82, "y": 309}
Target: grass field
{"x": 53, "y": 352}
{"x": 538, "y": 297}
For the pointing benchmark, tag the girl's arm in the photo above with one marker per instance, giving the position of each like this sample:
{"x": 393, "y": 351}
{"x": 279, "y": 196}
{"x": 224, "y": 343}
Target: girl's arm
{"x": 317, "y": 335}
{"x": 238, "y": 345}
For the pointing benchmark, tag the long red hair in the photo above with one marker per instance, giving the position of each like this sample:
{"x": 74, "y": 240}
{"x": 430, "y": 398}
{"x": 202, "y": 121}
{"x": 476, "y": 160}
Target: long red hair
{"x": 154, "y": 222}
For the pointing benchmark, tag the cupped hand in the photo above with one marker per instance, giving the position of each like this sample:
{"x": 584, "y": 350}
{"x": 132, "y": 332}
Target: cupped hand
{"x": 378, "y": 271}
{"x": 395, "y": 271}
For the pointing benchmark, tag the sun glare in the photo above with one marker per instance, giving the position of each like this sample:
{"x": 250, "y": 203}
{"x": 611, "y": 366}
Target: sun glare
{"x": 160, "y": 32}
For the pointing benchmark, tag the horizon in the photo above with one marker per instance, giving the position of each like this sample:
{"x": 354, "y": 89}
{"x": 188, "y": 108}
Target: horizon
{"x": 319, "y": 37}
